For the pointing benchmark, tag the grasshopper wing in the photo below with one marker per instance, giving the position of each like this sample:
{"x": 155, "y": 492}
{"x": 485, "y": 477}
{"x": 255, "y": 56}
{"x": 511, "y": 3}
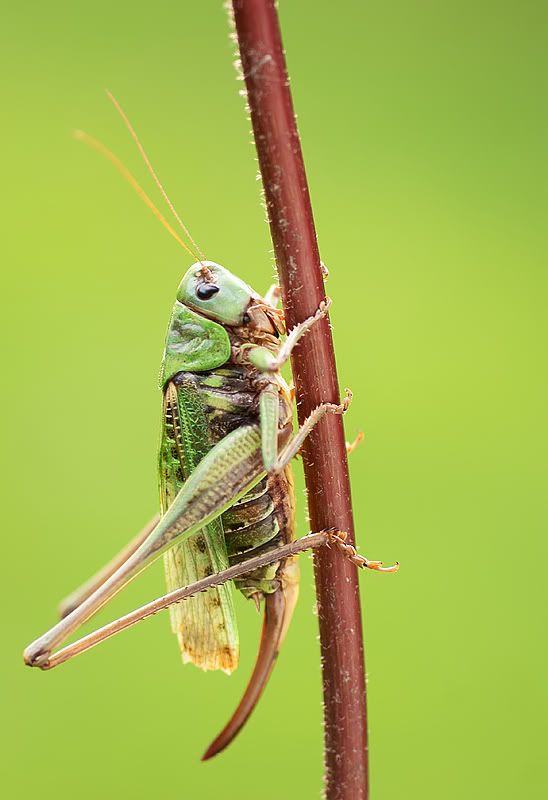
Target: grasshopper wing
{"x": 205, "y": 625}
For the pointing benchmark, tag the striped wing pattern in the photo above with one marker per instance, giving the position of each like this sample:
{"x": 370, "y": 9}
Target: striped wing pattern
{"x": 205, "y": 625}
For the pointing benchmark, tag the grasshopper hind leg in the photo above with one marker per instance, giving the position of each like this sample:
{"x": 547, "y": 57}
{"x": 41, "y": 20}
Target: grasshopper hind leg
{"x": 77, "y": 597}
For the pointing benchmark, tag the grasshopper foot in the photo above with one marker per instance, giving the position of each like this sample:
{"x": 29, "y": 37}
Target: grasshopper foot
{"x": 339, "y": 539}
{"x": 351, "y": 446}
{"x": 345, "y": 404}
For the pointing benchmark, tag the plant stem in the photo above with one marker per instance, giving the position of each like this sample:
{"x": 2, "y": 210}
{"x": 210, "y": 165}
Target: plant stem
{"x": 326, "y": 470}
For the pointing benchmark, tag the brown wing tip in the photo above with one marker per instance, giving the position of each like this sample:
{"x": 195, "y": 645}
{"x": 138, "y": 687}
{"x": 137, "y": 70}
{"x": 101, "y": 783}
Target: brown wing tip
{"x": 223, "y": 658}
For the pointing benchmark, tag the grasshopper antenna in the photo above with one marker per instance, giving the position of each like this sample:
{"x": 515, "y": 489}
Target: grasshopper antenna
{"x": 95, "y": 144}
{"x": 133, "y": 133}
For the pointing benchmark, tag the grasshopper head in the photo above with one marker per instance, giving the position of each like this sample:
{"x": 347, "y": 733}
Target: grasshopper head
{"x": 216, "y": 293}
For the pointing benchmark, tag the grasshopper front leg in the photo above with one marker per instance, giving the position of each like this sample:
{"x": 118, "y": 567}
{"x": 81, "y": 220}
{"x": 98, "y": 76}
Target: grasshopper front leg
{"x": 224, "y": 475}
{"x": 265, "y": 361}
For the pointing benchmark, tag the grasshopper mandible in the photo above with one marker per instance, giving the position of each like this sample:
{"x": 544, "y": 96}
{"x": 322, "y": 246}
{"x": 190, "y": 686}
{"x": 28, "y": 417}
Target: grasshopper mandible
{"x": 226, "y": 488}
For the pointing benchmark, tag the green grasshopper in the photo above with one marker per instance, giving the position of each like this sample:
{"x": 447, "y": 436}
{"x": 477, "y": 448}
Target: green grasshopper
{"x": 226, "y": 487}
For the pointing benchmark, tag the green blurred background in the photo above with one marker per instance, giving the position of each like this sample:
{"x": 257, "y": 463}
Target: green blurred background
{"x": 424, "y": 133}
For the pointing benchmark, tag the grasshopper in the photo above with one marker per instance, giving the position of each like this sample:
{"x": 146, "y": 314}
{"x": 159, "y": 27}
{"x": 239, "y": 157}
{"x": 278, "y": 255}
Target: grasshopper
{"x": 224, "y": 464}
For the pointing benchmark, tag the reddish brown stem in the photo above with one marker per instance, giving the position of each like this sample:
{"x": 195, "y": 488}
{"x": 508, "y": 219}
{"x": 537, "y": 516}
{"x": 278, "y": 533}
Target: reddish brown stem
{"x": 326, "y": 471}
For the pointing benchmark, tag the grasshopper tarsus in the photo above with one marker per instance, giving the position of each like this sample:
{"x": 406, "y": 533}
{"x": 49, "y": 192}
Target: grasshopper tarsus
{"x": 345, "y": 404}
{"x": 351, "y": 446}
{"x": 339, "y": 539}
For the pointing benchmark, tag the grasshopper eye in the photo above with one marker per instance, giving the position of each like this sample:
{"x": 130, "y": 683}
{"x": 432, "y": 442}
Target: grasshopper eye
{"x": 206, "y": 290}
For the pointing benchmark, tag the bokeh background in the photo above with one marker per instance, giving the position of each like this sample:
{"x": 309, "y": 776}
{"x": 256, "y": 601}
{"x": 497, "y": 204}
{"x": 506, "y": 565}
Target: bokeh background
{"x": 424, "y": 132}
